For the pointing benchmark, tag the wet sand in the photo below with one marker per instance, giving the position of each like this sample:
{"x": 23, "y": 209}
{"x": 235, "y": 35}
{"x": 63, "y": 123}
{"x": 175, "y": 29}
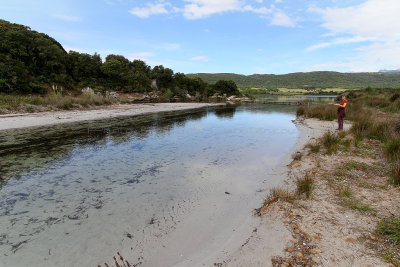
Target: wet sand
{"x": 13, "y": 121}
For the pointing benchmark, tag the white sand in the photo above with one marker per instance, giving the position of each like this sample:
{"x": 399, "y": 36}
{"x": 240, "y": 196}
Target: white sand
{"x": 13, "y": 121}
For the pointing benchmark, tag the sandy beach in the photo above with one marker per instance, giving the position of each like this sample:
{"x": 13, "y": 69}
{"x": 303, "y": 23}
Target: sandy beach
{"x": 13, "y": 121}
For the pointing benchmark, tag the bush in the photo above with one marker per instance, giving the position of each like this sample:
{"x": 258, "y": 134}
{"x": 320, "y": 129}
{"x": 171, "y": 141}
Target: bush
{"x": 394, "y": 97}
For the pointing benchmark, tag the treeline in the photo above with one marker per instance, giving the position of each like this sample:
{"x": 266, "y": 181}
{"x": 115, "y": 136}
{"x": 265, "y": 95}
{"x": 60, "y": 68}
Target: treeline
{"x": 32, "y": 62}
{"x": 308, "y": 80}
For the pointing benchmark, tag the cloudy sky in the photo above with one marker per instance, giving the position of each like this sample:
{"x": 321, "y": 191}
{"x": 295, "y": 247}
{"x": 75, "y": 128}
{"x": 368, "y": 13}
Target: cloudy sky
{"x": 240, "y": 36}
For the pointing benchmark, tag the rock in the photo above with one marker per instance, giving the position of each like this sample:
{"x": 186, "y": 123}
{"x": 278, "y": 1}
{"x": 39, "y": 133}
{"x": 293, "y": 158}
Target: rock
{"x": 285, "y": 264}
{"x": 293, "y": 226}
{"x": 290, "y": 249}
{"x": 298, "y": 255}
{"x": 297, "y": 231}
{"x": 351, "y": 240}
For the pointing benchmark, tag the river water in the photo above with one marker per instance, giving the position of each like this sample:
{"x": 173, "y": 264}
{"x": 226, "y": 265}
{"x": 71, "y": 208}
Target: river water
{"x": 164, "y": 189}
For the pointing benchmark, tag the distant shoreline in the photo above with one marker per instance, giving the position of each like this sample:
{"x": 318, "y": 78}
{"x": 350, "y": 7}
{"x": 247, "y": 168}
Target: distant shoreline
{"x": 23, "y": 120}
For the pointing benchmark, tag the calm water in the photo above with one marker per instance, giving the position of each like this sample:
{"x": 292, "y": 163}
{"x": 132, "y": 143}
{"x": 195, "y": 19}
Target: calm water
{"x": 80, "y": 192}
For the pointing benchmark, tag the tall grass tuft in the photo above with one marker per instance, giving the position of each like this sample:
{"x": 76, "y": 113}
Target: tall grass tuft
{"x": 322, "y": 112}
{"x": 330, "y": 141}
{"x": 305, "y": 185}
{"x": 392, "y": 149}
{"x": 281, "y": 194}
{"x": 396, "y": 173}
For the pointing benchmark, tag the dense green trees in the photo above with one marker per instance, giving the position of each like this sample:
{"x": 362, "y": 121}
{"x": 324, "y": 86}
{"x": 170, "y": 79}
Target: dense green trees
{"x": 32, "y": 62}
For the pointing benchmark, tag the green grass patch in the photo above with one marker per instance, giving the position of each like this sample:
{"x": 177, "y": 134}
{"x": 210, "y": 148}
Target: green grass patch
{"x": 389, "y": 228}
{"x": 305, "y": 185}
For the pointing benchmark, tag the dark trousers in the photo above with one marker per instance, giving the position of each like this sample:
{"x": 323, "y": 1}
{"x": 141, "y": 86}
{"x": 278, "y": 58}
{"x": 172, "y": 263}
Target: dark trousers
{"x": 341, "y": 115}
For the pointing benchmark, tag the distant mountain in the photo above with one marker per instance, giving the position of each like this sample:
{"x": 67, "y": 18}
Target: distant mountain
{"x": 398, "y": 70}
{"x": 318, "y": 79}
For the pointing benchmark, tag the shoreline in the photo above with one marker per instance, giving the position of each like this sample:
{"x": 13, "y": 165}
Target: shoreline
{"x": 330, "y": 228}
{"x": 24, "y": 120}
{"x": 271, "y": 236}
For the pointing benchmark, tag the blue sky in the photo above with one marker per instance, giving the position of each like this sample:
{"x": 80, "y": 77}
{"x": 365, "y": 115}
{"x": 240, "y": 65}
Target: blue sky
{"x": 239, "y": 36}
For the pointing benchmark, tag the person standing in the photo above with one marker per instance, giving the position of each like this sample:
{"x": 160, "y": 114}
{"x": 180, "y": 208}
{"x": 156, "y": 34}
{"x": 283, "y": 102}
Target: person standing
{"x": 341, "y": 112}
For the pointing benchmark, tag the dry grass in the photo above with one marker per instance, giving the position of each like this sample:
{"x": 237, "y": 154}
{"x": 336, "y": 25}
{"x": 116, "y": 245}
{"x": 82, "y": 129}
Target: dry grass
{"x": 282, "y": 194}
{"x": 297, "y": 155}
{"x": 314, "y": 147}
{"x": 36, "y": 103}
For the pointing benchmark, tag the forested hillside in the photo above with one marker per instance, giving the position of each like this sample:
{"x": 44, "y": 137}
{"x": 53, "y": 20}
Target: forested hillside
{"x": 319, "y": 79}
{"x": 32, "y": 62}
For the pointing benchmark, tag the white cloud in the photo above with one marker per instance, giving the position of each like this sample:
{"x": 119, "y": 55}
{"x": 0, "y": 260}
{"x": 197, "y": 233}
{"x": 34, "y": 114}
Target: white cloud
{"x": 203, "y": 8}
{"x": 261, "y": 10}
{"x": 338, "y": 41}
{"x": 281, "y": 19}
{"x": 141, "y": 55}
{"x": 201, "y": 58}
{"x": 375, "y": 21}
{"x": 197, "y": 9}
{"x": 378, "y": 19}
{"x": 66, "y": 18}
{"x": 150, "y": 9}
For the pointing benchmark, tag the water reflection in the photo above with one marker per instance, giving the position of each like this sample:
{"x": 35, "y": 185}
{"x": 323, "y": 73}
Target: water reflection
{"x": 141, "y": 175}
{"x": 22, "y": 150}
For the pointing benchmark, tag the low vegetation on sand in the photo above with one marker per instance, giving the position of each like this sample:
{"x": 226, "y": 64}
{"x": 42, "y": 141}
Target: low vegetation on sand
{"x": 347, "y": 188}
{"x": 37, "y": 103}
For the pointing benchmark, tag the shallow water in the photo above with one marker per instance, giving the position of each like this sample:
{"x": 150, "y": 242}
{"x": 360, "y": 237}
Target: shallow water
{"x": 74, "y": 194}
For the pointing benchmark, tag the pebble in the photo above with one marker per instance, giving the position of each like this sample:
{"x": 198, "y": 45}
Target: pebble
{"x": 298, "y": 255}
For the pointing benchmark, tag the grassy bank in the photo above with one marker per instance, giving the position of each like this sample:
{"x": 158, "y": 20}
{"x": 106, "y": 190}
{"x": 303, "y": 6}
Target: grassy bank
{"x": 343, "y": 203}
{"x": 288, "y": 91}
{"x": 37, "y": 103}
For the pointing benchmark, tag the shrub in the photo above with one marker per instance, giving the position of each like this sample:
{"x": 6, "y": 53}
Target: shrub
{"x": 394, "y": 97}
